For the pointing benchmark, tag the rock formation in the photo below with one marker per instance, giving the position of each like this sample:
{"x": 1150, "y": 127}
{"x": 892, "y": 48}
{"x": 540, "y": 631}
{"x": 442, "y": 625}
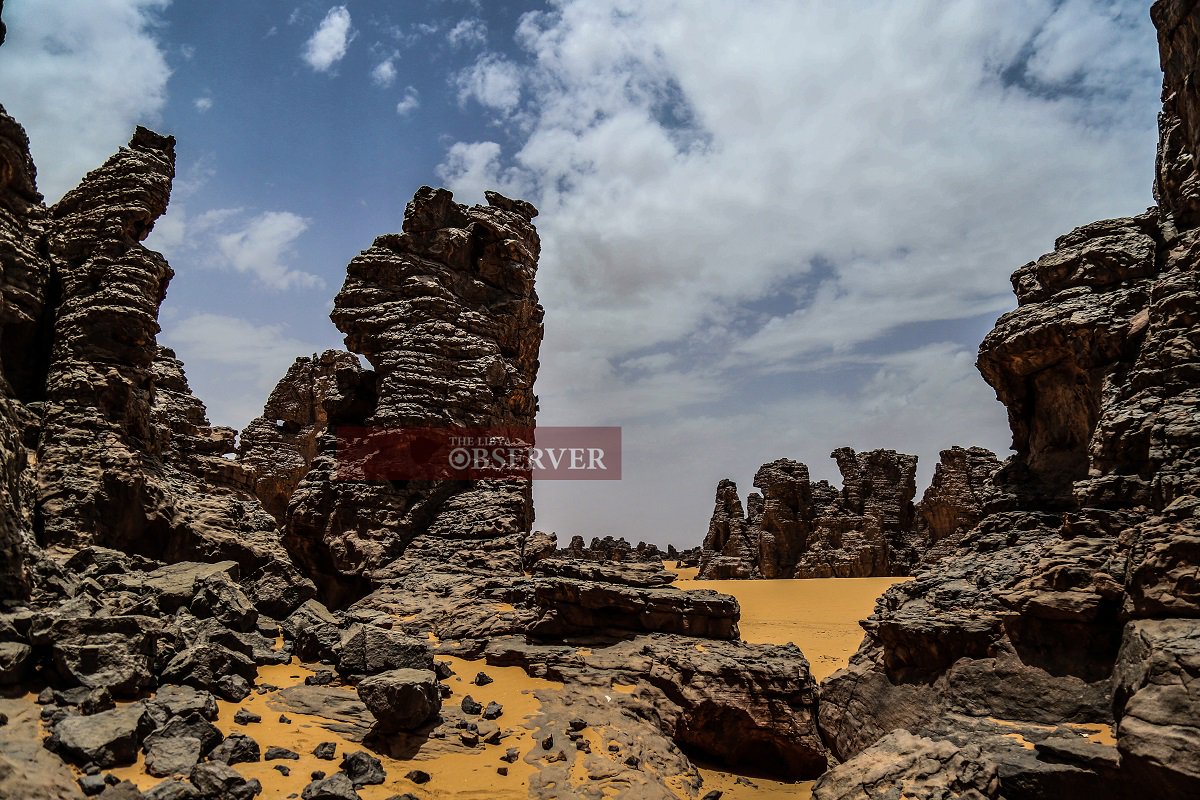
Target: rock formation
{"x": 1073, "y": 600}
{"x": 798, "y": 528}
{"x": 447, "y": 314}
{"x": 612, "y": 549}
{"x": 953, "y": 503}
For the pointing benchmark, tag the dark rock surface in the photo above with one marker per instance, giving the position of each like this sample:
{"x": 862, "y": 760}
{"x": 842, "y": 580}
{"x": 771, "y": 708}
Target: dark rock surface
{"x": 798, "y": 528}
{"x": 608, "y": 548}
{"x": 401, "y": 699}
{"x": 1073, "y": 600}
{"x": 447, "y": 315}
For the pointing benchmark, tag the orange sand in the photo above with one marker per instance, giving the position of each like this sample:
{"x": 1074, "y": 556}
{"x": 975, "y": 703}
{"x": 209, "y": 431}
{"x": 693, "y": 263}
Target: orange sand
{"x": 819, "y": 615}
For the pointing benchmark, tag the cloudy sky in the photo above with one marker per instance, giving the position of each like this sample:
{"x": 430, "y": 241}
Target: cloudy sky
{"x": 770, "y": 227}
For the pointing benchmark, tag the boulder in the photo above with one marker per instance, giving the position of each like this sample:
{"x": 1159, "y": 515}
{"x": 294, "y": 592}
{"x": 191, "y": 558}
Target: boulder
{"x": 401, "y": 699}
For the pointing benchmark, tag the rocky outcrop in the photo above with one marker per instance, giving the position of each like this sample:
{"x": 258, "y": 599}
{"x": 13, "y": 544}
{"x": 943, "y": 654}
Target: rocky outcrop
{"x": 1072, "y": 601}
{"x": 447, "y": 315}
{"x": 953, "y": 503}
{"x": 609, "y": 548}
{"x": 279, "y": 446}
{"x": 729, "y": 701}
{"x": 798, "y": 528}
{"x": 99, "y": 388}
{"x": 1177, "y": 174}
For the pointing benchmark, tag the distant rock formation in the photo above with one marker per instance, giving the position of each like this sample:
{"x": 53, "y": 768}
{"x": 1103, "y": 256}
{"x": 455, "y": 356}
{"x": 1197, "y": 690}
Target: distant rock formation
{"x": 953, "y": 503}
{"x": 798, "y": 528}
{"x": 447, "y": 314}
{"x": 612, "y": 549}
{"x": 1074, "y": 599}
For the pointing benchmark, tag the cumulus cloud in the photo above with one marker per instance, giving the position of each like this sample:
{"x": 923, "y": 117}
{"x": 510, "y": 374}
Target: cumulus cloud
{"x": 246, "y": 359}
{"x": 263, "y": 246}
{"x": 384, "y": 74}
{"x": 777, "y": 196}
{"x": 329, "y": 41}
{"x": 492, "y": 81}
{"x": 202, "y": 104}
{"x": 79, "y": 74}
{"x": 409, "y": 103}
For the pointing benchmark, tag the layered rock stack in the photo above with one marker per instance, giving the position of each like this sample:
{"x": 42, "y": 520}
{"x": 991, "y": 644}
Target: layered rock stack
{"x": 103, "y": 441}
{"x": 610, "y": 548}
{"x": 1074, "y": 599}
{"x": 447, "y": 315}
{"x": 799, "y": 528}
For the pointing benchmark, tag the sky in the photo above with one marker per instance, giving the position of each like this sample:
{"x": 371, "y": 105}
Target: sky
{"x": 770, "y": 228}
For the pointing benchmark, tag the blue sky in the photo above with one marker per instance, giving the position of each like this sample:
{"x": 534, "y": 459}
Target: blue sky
{"x": 770, "y": 227}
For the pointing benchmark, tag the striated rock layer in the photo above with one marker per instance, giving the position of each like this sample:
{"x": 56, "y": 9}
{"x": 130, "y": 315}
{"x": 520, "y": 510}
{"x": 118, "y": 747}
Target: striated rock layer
{"x": 798, "y": 528}
{"x": 1074, "y": 599}
{"x": 447, "y": 315}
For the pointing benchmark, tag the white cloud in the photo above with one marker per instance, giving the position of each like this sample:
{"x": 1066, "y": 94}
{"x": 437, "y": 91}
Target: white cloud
{"x": 409, "y": 103}
{"x": 203, "y": 104}
{"x": 244, "y": 358}
{"x": 774, "y": 214}
{"x": 262, "y": 247}
{"x": 384, "y": 74}
{"x": 329, "y": 41}
{"x": 492, "y": 81}
{"x": 79, "y": 75}
{"x": 468, "y": 32}
{"x": 471, "y": 167}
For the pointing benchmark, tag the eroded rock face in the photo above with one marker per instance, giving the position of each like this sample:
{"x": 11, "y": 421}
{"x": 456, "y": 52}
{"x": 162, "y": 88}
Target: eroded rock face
{"x": 798, "y": 528}
{"x": 609, "y": 548}
{"x": 447, "y": 315}
{"x": 953, "y": 503}
{"x": 1177, "y": 178}
{"x": 279, "y": 447}
{"x": 1073, "y": 600}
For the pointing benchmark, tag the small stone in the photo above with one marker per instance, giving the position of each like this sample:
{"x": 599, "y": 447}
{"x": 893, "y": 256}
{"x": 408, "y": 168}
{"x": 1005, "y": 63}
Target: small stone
{"x": 443, "y": 670}
{"x": 583, "y": 746}
{"x": 276, "y": 753}
{"x": 284, "y": 720}
{"x": 91, "y": 785}
{"x": 363, "y": 769}
{"x": 548, "y": 742}
{"x": 284, "y": 771}
{"x": 418, "y": 776}
{"x": 244, "y": 717}
{"x": 45, "y": 697}
{"x": 317, "y": 774}
{"x": 511, "y": 755}
{"x": 469, "y": 738}
{"x": 237, "y": 749}
{"x": 325, "y": 751}
{"x": 3, "y": 719}
{"x": 321, "y": 677}
{"x": 493, "y": 710}
{"x": 613, "y": 747}
{"x": 482, "y": 679}
{"x": 559, "y": 756}
{"x": 233, "y": 688}
{"x": 501, "y": 770}
{"x": 444, "y": 690}
{"x": 470, "y": 706}
{"x": 715, "y": 794}
{"x": 632, "y": 761}
{"x": 577, "y": 724}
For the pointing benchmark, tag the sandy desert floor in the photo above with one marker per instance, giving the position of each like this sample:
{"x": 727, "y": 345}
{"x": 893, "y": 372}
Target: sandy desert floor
{"x": 821, "y": 616}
